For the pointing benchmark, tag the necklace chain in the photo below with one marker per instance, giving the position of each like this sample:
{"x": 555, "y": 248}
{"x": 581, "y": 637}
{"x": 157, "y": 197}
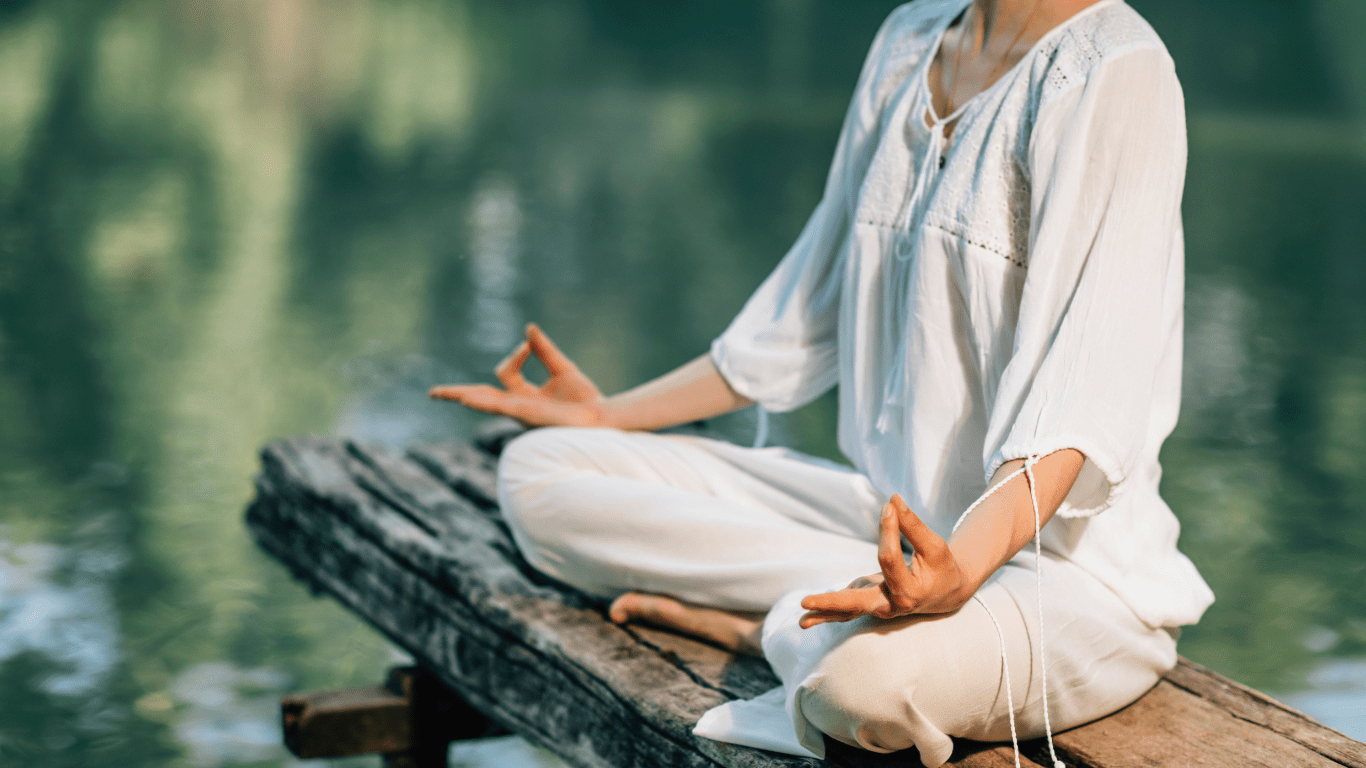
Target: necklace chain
{"x": 991, "y": 77}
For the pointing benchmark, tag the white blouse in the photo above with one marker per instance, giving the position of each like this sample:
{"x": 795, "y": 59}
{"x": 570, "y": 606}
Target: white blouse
{"x": 1010, "y": 292}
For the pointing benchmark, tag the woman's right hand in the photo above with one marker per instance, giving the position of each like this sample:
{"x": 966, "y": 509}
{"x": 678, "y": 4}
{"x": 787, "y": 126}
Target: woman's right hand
{"x": 568, "y": 398}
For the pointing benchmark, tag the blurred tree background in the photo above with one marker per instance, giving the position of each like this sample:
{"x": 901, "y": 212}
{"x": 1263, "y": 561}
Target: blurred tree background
{"x": 224, "y": 222}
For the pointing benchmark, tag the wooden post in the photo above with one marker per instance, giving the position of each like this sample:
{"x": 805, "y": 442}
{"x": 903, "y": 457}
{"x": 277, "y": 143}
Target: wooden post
{"x": 411, "y": 720}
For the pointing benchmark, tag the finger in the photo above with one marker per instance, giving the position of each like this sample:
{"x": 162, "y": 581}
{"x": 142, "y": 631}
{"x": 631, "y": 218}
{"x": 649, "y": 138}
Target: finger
{"x": 812, "y": 618}
{"x": 899, "y": 582}
{"x": 451, "y": 391}
{"x": 479, "y": 396}
{"x": 929, "y": 546}
{"x": 532, "y": 411}
{"x": 855, "y": 602}
{"x": 496, "y": 401}
{"x": 509, "y": 370}
{"x": 555, "y": 361}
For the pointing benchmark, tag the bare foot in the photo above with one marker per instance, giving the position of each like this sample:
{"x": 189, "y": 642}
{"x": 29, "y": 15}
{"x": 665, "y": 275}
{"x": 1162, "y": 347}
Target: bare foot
{"x": 734, "y": 631}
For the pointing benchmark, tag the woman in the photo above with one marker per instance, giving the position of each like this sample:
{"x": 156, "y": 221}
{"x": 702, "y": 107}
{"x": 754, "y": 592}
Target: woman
{"x": 994, "y": 279}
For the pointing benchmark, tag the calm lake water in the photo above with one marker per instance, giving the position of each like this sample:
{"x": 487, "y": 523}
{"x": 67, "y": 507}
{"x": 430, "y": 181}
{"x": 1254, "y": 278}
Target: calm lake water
{"x": 226, "y": 222}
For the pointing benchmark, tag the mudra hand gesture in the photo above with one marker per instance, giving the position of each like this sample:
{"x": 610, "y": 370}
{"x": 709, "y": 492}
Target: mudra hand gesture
{"x": 567, "y": 398}
{"x": 933, "y": 582}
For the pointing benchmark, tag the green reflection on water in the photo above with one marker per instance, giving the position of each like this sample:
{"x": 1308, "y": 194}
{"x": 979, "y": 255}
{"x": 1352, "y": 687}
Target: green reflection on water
{"x": 226, "y": 222}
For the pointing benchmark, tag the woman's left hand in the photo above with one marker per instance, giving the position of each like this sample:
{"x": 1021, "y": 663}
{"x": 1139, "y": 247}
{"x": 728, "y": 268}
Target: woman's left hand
{"x": 933, "y": 582}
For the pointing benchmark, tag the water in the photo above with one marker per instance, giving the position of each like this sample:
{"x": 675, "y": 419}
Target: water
{"x": 226, "y": 222}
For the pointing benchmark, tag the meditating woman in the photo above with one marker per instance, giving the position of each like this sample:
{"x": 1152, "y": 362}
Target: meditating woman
{"x": 994, "y": 280}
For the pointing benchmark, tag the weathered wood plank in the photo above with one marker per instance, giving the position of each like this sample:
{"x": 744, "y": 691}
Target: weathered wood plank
{"x": 1256, "y": 707}
{"x": 510, "y": 679}
{"x": 395, "y": 543}
{"x": 415, "y": 545}
{"x": 1168, "y": 726}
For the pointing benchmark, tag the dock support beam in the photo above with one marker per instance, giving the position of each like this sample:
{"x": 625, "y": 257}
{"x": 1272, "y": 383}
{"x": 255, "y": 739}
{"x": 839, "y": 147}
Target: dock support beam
{"x": 411, "y": 720}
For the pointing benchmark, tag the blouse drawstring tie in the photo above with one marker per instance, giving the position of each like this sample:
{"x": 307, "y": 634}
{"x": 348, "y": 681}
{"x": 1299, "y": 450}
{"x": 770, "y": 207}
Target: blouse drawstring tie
{"x": 1028, "y": 471}
{"x": 931, "y": 163}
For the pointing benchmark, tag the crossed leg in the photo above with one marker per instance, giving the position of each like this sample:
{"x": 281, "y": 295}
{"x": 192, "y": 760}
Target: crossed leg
{"x": 696, "y": 535}
{"x": 706, "y": 537}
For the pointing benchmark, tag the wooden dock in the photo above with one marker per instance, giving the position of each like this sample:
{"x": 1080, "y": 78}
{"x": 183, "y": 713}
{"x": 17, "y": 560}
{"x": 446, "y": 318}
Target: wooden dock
{"x": 414, "y": 544}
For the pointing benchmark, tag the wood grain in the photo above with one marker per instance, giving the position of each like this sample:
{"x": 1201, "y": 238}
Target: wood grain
{"x": 1168, "y": 726}
{"x": 1256, "y": 707}
{"x": 414, "y": 544}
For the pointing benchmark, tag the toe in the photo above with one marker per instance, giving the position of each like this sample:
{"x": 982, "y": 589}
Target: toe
{"x": 624, "y": 608}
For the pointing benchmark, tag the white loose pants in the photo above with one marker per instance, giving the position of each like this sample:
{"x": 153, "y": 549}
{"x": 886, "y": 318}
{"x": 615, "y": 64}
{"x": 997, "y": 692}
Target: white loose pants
{"x": 714, "y": 524}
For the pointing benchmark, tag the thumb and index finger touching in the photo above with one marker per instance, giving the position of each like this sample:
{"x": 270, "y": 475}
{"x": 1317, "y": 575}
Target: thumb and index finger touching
{"x": 871, "y": 597}
{"x": 900, "y": 590}
{"x": 509, "y": 370}
{"x": 555, "y": 361}
{"x": 930, "y": 548}
{"x": 928, "y": 545}
{"x": 890, "y": 560}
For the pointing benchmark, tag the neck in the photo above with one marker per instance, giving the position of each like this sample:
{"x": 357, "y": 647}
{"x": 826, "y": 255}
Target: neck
{"x": 988, "y": 16}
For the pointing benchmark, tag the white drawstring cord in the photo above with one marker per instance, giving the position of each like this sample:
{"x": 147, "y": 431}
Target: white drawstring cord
{"x": 1005, "y": 664}
{"x": 984, "y": 497}
{"x": 1028, "y": 471}
{"x": 1038, "y": 593}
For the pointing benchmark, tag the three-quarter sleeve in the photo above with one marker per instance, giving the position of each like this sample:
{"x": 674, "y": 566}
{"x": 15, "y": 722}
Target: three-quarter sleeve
{"x": 1097, "y": 341}
{"x": 782, "y": 349}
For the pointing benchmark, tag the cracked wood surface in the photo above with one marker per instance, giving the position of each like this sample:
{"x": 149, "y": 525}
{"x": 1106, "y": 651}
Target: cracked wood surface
{"x": 414, "y": 544}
